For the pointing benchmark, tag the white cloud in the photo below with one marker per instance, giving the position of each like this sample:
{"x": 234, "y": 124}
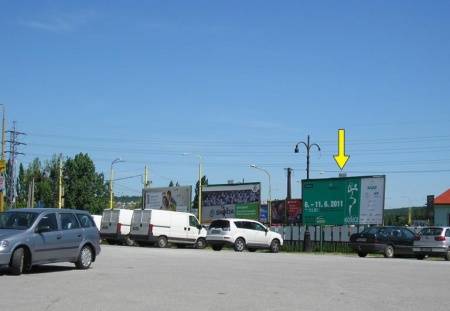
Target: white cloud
{"x": 61, "y": 22}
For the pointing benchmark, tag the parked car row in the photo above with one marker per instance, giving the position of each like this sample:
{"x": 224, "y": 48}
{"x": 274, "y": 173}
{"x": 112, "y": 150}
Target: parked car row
{"x": 33, "y": 236}
{"x": 161, "y": 227}
{"x": 400, "y": 241}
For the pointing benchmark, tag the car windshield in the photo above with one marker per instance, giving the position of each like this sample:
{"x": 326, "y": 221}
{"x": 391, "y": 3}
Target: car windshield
{"x": 17, "y": 220}
{"x": 431, "y": 231}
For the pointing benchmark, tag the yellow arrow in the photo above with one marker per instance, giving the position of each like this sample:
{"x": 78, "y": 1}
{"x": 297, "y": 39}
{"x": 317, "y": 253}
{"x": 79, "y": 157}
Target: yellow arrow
{"x": 341, "y": 158}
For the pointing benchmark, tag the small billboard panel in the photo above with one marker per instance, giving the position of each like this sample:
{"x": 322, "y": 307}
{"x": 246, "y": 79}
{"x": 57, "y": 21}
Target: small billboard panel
{"x": 294, "y": 211}
{"x": 278, "y": 208}
{"x": 168, "y": 198}
{"x": 264, "y": 213}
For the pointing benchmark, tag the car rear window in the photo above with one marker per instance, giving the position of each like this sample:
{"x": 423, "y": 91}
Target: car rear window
{"x": 371, "y": 230}
{"x": 220, "y": 224}
{"x": 431, "y": 231}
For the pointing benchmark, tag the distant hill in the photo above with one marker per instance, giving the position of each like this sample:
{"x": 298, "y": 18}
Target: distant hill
{"x": 128, "y": 202}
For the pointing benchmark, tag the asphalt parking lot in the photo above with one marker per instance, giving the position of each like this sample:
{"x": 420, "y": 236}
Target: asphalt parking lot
{"x": 137, "y": 278}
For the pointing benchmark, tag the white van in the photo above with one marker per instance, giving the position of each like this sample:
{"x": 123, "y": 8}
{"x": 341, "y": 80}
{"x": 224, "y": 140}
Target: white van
{"x": 115, "y": 226}
{"x": 98, "y": 221}
{"x": 152, "y": 226}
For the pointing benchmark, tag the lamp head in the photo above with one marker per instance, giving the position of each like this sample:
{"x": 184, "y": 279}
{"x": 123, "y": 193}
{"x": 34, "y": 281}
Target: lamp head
{"x": 296, "y": 148}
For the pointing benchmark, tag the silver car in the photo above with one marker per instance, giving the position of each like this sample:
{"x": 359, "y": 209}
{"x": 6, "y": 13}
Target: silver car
{"x": 432, "y": 241}
{"x": 33, "y": 236}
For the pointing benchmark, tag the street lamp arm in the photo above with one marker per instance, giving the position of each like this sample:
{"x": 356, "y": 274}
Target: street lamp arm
{"x": 316, "y": 145}
{"x": 304, "y": 144}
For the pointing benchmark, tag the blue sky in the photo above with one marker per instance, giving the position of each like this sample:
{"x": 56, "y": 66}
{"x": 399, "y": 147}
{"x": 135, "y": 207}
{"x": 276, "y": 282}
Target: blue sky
{"x": 238, "y": 82}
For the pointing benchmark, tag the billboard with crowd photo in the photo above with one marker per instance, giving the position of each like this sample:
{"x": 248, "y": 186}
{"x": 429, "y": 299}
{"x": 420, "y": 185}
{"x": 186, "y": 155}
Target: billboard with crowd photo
{"x": 168, "y": 198}
{"x": 231, "y": 201}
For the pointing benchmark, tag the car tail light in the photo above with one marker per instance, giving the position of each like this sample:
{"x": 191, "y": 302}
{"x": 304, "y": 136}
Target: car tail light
{"x": 119, "y": 227}
{"x": 439, "y": 238}
{"x": 150, "y": 229}
{"x": 417, "y": 238}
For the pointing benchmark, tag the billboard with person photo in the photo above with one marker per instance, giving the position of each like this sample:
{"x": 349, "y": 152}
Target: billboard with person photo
{"x": 278, "y": 208}
{"x": 231, "y": 201}
{"x": 168, "y": 198}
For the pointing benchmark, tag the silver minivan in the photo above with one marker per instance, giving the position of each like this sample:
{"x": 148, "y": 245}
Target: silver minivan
{"x": 432, "y": 241}
{"x": 33, "y": 236}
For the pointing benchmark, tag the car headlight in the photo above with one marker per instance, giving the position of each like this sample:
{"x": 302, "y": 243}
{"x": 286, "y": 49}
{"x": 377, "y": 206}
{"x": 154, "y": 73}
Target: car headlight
{"x": 4, "y": 244}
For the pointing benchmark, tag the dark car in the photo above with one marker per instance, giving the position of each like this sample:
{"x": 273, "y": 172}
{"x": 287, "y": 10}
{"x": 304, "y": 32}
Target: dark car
{"x": 389, "y": 241}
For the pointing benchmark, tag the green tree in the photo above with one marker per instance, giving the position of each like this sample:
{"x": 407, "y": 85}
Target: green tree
{"x": 171, "y": 183}
{"x": 83, "y": 187}
{"x": 204, "y": 183}
{"x": 21, "y": 188}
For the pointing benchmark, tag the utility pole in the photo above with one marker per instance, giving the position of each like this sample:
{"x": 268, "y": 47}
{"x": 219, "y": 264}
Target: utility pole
{"x": 13, "y": 153}
{"x": 146, "y": 177}
{"x": 30, "y": 202}
{"x": 3, "y": 168}
{"x": 60, "y": 188}
{"x": 289, "y": 191}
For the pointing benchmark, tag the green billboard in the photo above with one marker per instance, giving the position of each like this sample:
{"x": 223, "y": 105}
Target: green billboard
{"x": 247, "y": 210}
{"x": 343, "y": 201}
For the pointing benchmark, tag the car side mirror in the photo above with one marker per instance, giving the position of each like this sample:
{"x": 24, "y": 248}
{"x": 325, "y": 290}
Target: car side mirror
{"x": 199, "y": 227}
{"x": 43, "y": 229}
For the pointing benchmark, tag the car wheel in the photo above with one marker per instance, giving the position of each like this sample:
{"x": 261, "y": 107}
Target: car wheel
{"x": 447, "y": 256}
{"x": 389, "y": 251}
{"x": 17, "y": 262}
{"x": 201, "y": 243}
{"x": 239, "y": 245}
{"x": 362, "y": 254}
{"x": 162, "y": 242}
{"x": 84, "y": 258}
{"x": 252, "y": 250}
{"x": 217, "y": 247}
{"x": 420, "y": 257}
{"x": 275, "y": 246}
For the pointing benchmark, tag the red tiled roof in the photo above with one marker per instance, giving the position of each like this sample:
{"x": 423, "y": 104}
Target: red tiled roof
{"x": 443, "y": 198}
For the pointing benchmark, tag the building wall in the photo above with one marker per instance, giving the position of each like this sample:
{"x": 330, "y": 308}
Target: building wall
{"x": 441, "y": 215}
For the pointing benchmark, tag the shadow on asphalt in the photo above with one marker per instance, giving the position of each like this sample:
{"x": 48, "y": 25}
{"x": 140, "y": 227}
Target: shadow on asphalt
{"x": 41, "y": 269}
